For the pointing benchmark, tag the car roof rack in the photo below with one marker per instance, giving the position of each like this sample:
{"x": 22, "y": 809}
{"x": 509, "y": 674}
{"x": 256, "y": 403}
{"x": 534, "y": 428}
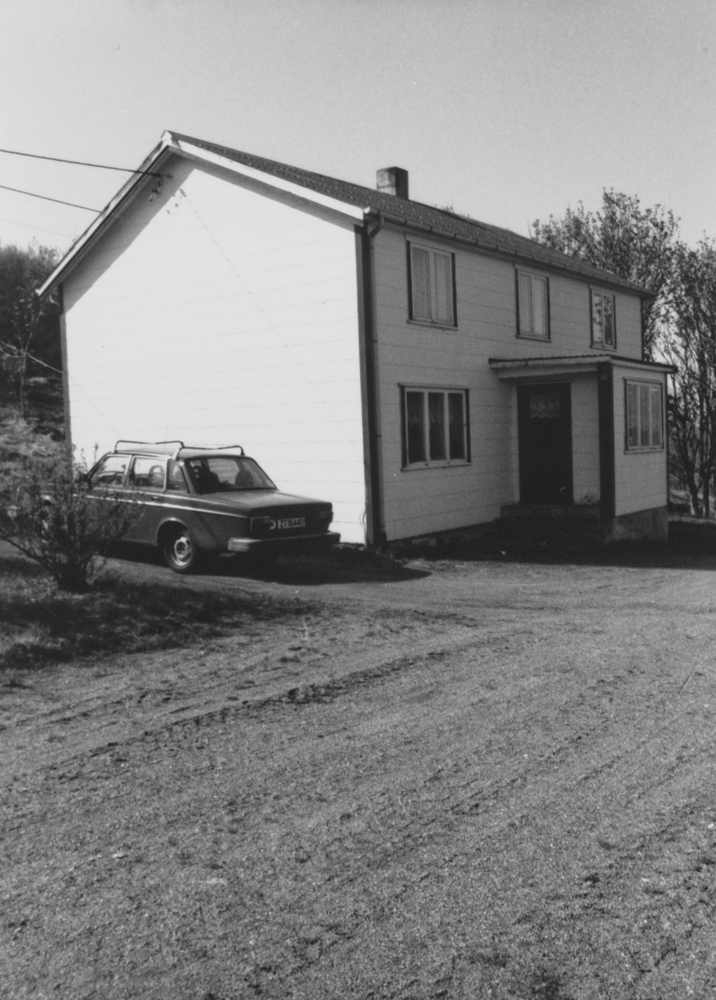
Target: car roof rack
{"x": 189, "y": 449}
{"x": 171, "y": 448}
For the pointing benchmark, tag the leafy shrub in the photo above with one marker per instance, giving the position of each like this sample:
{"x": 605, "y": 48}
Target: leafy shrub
{"x": 48, "y": 513}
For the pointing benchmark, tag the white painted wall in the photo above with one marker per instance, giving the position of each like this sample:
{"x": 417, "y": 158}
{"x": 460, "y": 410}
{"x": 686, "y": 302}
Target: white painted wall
{"x": 419, "y": 501}
{"x": 216, "y": 314}
{"x": 640, "y": 476}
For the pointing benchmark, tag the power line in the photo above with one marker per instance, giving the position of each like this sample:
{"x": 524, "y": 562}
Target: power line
{"x": 44, "y": 197}
{"x": 80, "y": 163}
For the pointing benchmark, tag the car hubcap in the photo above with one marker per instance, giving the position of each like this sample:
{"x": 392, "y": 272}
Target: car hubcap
{"x": 182, "y": 550}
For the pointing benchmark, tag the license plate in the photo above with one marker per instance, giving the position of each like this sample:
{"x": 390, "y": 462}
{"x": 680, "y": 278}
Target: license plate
{"x": 290, "y": 522}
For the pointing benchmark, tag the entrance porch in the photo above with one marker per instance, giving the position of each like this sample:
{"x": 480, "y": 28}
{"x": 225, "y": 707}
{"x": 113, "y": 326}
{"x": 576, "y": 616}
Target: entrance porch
{"x": 573, "y": 471}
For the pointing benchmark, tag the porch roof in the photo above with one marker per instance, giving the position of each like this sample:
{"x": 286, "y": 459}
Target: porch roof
{"x": 569, "y": 364}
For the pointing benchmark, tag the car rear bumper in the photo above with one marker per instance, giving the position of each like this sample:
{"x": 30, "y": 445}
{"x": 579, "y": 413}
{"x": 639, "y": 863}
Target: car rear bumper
{"x": 292, "y": 543}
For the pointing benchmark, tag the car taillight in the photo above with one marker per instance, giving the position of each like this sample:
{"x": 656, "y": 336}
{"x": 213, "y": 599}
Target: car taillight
{"x": 325, "y": 516}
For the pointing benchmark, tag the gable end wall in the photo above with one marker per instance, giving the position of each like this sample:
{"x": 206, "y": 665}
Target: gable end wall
{"x": 217, "y": 315}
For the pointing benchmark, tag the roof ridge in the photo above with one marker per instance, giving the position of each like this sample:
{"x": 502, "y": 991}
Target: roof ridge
{"x": 421, "y": 215}
{"x": 439, "y": 223}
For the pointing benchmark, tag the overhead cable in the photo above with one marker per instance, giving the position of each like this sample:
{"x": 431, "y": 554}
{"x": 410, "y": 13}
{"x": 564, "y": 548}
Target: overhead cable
{"x": 80, "y": 163}
{"x": 44, "y": 197}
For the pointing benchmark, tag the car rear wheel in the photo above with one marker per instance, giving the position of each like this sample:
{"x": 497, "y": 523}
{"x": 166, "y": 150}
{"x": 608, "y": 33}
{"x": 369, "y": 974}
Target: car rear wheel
{"x": 179, "y": 550}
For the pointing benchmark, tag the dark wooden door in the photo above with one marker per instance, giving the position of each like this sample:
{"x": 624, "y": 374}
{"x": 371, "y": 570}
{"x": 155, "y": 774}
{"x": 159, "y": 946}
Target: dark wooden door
{"x": 545, "y": 430}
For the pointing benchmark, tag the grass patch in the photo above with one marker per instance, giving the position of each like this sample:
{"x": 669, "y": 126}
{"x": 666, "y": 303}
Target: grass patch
{"x": 42, "y": 625}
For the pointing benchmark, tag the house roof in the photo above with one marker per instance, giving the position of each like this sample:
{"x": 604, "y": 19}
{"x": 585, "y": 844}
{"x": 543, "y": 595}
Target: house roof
{"x": 414, "y": 215}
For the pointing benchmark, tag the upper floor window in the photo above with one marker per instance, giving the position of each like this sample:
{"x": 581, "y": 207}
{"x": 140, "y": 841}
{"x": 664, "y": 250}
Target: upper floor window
{"x": 603, "y": 313}
{"x": 435, "y": 426}
{"x": 432, "y": 285}
{"x": 644, "y": 415}
{"x": 532, "y": 306}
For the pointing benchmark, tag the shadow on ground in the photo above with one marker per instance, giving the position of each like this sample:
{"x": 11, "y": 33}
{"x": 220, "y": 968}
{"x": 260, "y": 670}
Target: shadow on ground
{"x": 344, "y": 565}
{"x": 41, "y": 624}
{"x": 691, "y": 545}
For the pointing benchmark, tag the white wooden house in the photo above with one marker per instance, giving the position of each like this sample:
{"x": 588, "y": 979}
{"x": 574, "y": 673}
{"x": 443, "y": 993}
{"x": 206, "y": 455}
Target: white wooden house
{"x": 422, "y": 370}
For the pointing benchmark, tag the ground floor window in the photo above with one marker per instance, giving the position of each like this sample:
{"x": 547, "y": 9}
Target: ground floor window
{"x": 644, "y": 415}
{"x": 435, "y": 426}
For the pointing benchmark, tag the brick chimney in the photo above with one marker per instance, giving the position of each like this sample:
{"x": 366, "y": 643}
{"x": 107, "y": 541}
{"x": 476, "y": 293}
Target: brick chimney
{"x": 392, "y": 180}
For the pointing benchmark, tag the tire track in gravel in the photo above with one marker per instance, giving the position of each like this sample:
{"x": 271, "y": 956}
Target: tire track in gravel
{"x": 446, "y": 824}
{"x": 222, "y": 701}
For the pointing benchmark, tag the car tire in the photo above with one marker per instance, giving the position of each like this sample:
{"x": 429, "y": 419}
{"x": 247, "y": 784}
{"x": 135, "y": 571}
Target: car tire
{"x": 179, "y": 550}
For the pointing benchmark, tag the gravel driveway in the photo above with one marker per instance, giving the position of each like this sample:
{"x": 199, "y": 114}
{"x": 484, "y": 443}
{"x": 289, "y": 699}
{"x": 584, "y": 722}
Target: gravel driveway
{"x": 474, "y": 780}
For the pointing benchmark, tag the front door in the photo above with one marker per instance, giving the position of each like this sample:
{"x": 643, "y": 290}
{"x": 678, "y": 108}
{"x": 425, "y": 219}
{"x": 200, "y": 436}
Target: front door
{"x": 545, "y": 429}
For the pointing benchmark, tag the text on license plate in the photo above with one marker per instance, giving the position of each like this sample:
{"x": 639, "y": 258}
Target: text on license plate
{"x": 290, "y": 522}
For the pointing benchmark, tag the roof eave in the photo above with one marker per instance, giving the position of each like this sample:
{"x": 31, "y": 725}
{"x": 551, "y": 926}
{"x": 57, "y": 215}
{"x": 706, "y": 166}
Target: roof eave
{"x": 167, "y": 146}
{"x": 105, "y": 218}
{"x": 602, "y": 279}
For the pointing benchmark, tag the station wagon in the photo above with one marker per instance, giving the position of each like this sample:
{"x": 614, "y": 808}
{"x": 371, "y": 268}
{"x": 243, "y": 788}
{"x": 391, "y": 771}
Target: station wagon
{"x": 194, "y": 502}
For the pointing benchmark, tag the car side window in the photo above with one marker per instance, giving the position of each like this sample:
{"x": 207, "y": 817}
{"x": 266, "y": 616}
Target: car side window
{"x": 147, "y": 473}
{"x": 175, "y": 478}
{"x": 110, "y": 471}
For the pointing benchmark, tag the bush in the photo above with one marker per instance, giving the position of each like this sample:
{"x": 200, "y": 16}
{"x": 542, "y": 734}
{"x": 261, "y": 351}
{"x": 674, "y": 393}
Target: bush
{"x": 48, "y": 513}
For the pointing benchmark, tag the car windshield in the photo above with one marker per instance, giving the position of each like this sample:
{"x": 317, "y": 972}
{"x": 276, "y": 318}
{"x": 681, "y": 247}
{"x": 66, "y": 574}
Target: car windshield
{"x": 222, "y": 473}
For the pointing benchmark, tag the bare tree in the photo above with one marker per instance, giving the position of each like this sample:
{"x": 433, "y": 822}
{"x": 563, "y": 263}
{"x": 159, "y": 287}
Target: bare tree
{"x": 635, "y": 243}
{"x": 27, "y": 326}
{"x": 689, "y": 343}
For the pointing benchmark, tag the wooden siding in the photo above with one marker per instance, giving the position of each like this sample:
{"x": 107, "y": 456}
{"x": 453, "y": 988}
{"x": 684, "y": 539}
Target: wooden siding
{"x": 640, "y": 476}
{"x": 419, "y": 501}
{"x": 585, "y": 440}
{"x": 216, "y": 314}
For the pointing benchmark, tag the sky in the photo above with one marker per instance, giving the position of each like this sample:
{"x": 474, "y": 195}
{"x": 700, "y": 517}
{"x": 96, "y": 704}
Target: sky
{"x": 507, "y": 110}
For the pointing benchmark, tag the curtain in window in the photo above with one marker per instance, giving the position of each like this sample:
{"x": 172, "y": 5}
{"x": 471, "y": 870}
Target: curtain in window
{"x": 539, "y": 307}
{"x": 456, "y": 425}
{"x": 525, "y": 297}
{"x": 436, "y": 409}
{"x": 415, "y": 426}
{"x": 597, "y": 317}
{"x": 644, "y": 415}
{"x": 608, "y": 312}
{"x": 632, "y": 415}
{"x": 657, "y": 419}
{"x": 420, "y": 282}
{"x": 443, "y": 288}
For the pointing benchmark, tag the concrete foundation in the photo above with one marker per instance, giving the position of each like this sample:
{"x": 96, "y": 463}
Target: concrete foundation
{"x": 642, "y": 525}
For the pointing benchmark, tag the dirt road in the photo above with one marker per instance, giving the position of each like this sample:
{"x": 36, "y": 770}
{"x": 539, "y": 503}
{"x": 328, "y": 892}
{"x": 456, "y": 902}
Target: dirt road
{"x": 481, "y": 780}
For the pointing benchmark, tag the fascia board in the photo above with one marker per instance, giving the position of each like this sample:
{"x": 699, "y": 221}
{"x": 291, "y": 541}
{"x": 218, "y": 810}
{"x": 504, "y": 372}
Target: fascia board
{"x": 513, "y": 368}
{"x": 118, "y": 203}
{"x": 648, "y": 366}
{"x": 201, "y": 155}
{"x": 542, "y": 371}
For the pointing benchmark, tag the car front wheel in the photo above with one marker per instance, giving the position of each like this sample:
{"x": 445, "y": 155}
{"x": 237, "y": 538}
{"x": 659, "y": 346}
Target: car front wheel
{"x": 179, "y": 550}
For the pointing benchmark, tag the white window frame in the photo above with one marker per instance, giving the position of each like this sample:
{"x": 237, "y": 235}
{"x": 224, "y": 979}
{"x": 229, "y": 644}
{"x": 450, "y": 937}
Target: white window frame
{"x": 431, "y": 315}
{"x": 597, "y": 328}
{"x": 531, "y": 332}
{"x": 640, "y": 397}
{"x": 428, "y": 458}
